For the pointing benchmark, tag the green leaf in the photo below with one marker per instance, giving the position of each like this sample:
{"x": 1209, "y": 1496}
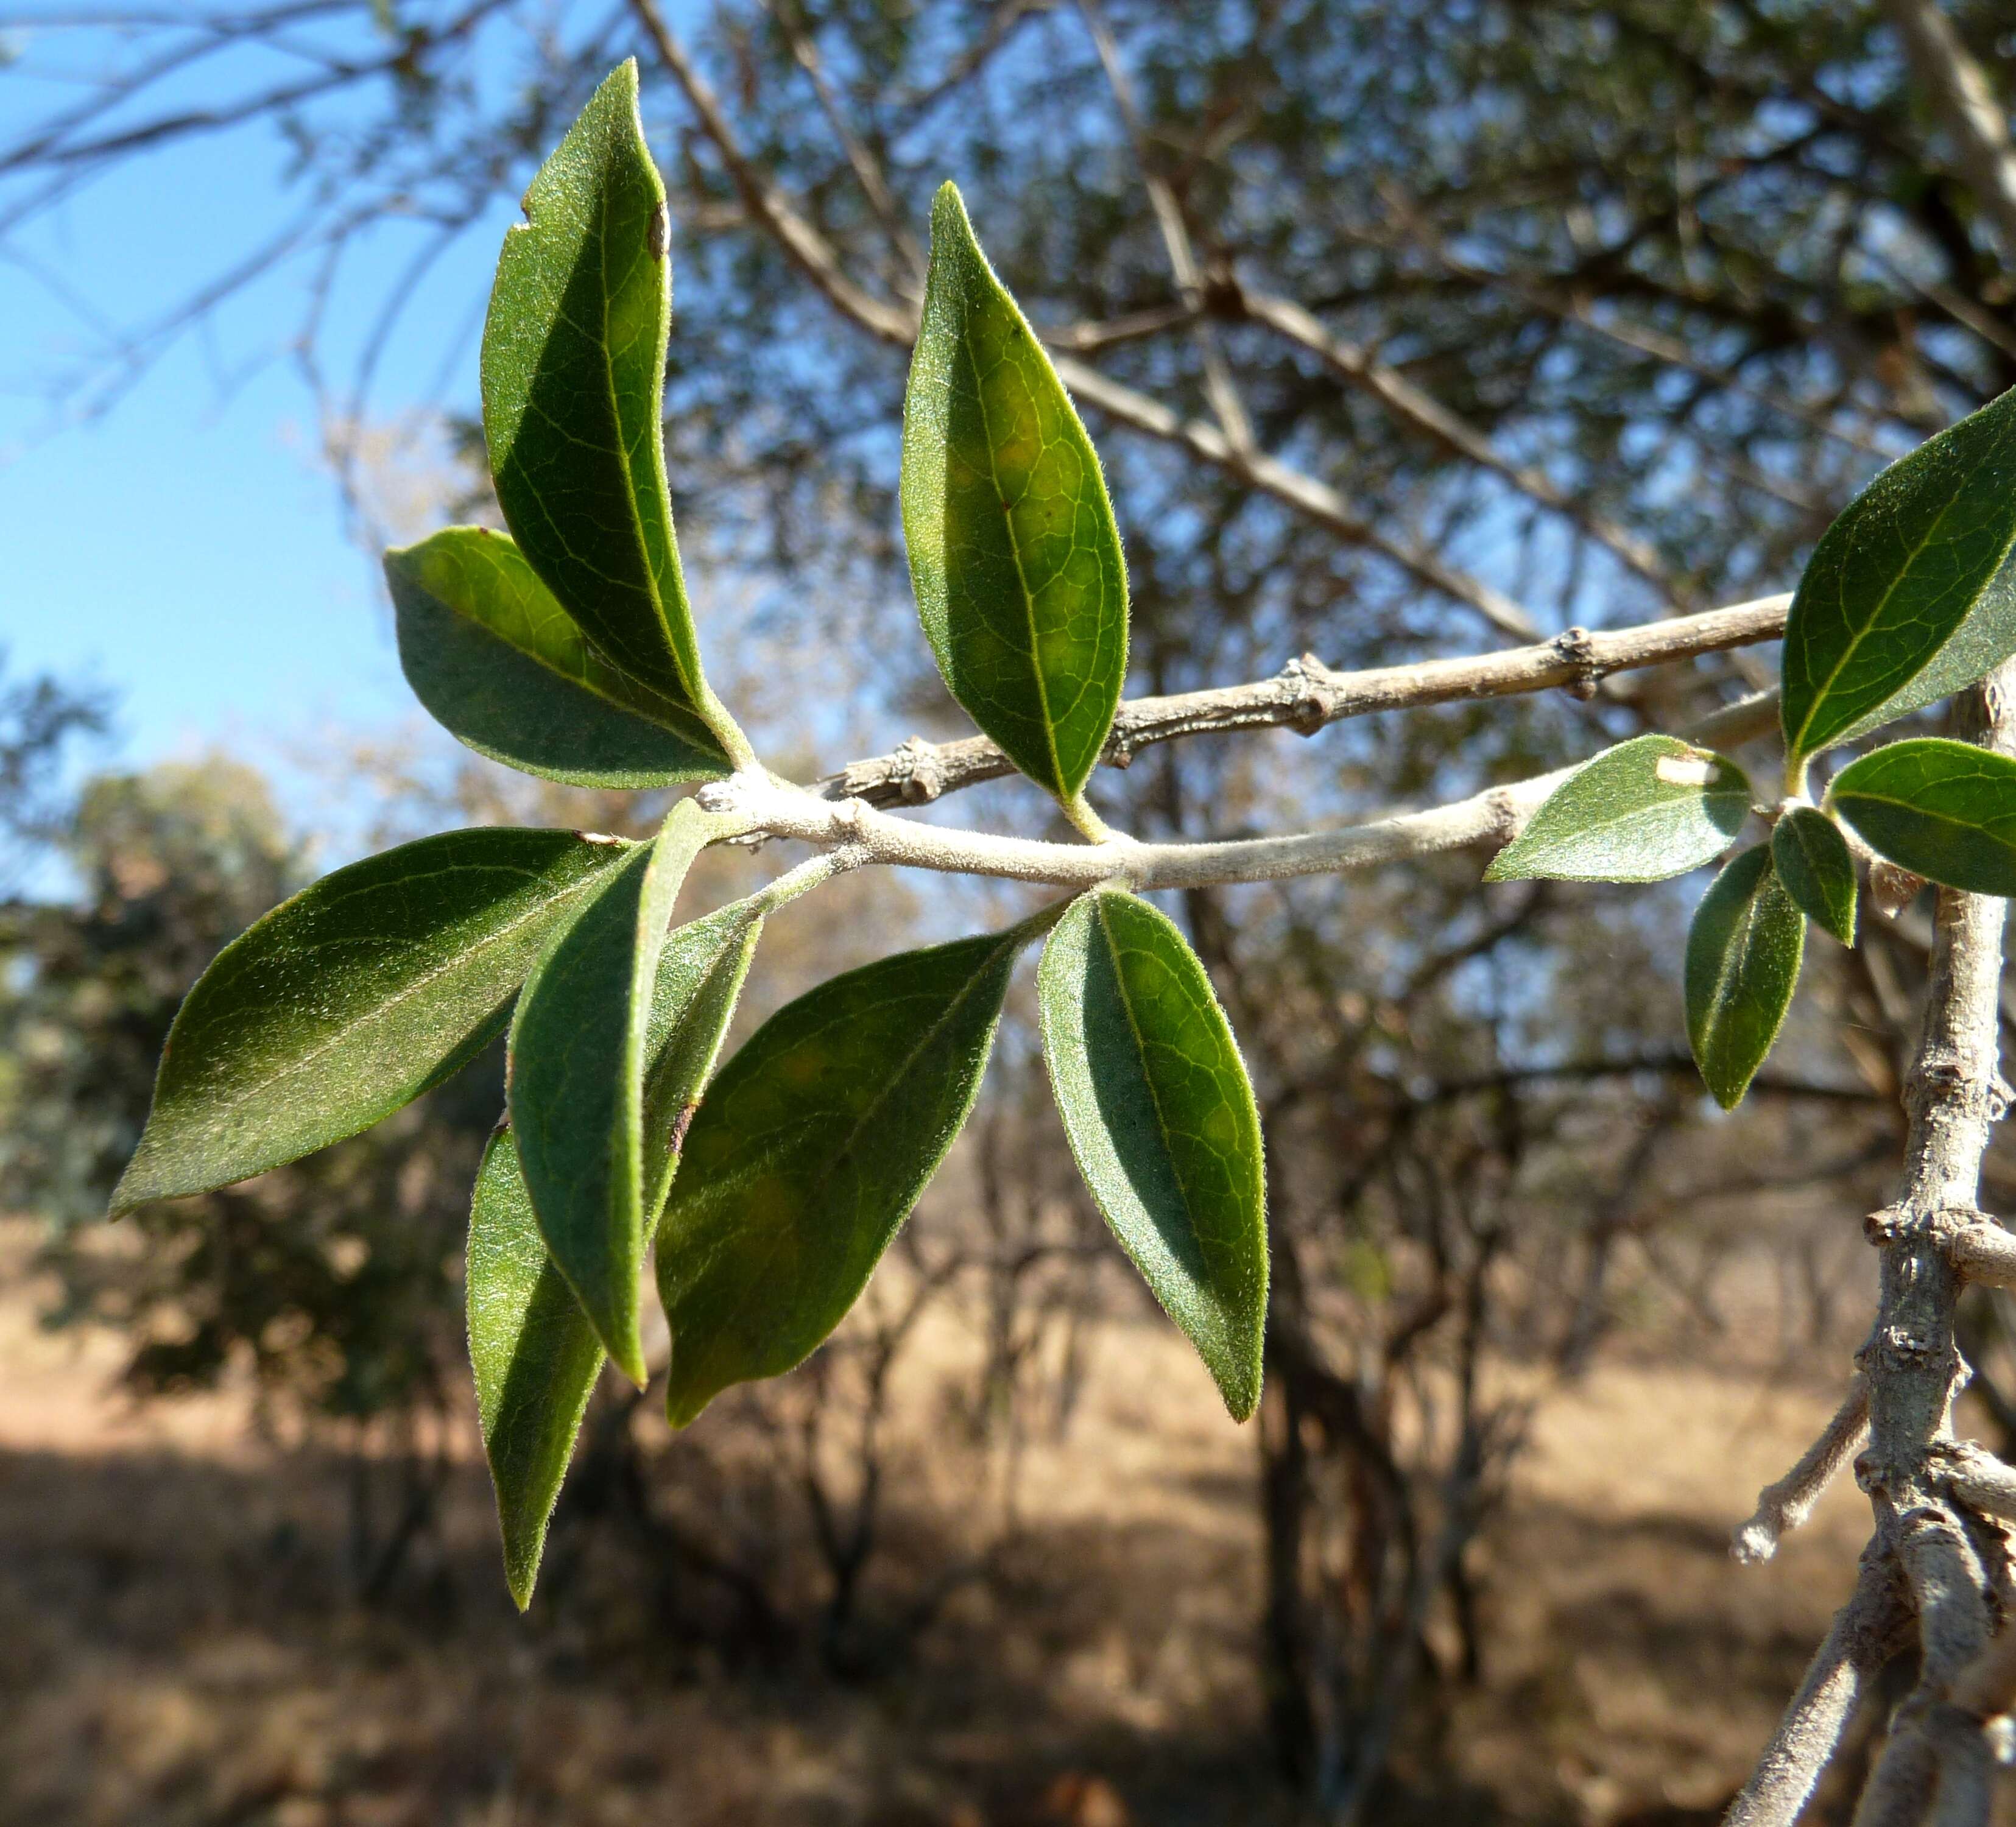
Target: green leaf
{"x": 1015, "y": 556}
{"x": 574, "y": 360}
{"x": 1743, "y": 965}
{"x": 578, "y": 1048}
{"x": 1813, "y": 861}
{"x": 700, "y": 975}
{"x": 809, "y": 1150}
{"x": 1650, "y": 808}
{"x": 1156, "y": 1102}
{"x": 505, "y": 669}
{"x": 347, "y": 1001}
{"x": 1943, "y": 810}
{"x": 1909, "y": 595}
{"x": 534, "y": 1355}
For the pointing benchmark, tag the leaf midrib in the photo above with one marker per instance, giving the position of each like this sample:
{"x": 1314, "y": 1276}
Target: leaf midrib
{"x": 1147, "y": 1077}
{"x": 818, "y": 1182}
{"x": 1797, "y": 744}
{"x": 582, "y": 681}
{"x": 226, "y": 1106}
{"x": 1015, "y": 544}
{"x": 601, "y": 346}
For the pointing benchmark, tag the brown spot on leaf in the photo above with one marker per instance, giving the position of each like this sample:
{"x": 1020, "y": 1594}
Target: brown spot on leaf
{"x": 658, "y": 237}
{"x": 681, "y": 1123}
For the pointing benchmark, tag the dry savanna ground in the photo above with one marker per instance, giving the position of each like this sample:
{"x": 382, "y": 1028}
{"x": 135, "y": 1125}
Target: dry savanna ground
{"x": 180, "y": 1644}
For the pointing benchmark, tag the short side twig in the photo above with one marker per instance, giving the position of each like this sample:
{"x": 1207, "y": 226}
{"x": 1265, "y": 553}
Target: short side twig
{"x": 1783, "y": 1506}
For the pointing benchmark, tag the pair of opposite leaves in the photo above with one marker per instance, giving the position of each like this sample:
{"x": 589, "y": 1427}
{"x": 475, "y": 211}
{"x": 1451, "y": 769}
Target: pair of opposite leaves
{"x": 571, "y": 652}
{"x": 814, "y": 1142}
{"x": 1909, "y": 596}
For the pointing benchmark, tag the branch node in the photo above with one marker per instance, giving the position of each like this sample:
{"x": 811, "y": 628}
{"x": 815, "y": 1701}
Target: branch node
{"x": 1308, "y": 702}
{"x": 1576, "y": 649}
{"x": 1893, "y": 888}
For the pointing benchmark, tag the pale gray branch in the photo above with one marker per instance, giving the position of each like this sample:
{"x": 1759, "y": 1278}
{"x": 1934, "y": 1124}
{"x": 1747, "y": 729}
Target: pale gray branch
{"x": 1978, "y": 1478}
{"x": 1864, "y": 1633}
{"x": 1783, "y": 1506}
{"x": 1306, "y": 695}
{"x": 1983, "y": 1252}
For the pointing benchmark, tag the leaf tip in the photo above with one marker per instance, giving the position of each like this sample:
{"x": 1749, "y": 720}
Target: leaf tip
{"x": 1241, "y": 1394}
{"x": 683, "y": 1407}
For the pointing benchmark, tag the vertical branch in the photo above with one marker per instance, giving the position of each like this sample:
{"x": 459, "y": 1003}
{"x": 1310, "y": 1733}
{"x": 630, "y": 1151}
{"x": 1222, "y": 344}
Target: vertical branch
{"x": 1864, "y": 1633}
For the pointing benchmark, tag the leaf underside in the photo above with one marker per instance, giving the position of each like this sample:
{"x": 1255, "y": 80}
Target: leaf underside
{"x": 808, "y": 1151}
{"x": 1945, "y": 810}
{"x": 1648, "y": 809}
{"x": 573, "y": 371}
{"x": 500, "y": 665}
{"x": 534, "y": 1356}
{"x": 700, "y": 975}
{"x": 1160, "y": 1117}
{"x": 1742, "y": 966}
{"x": 1909, "y": 596}
{"x": 1015, "y": 555}
{"x": 1813, "y": 863}
{"x": 578, "y": 1058}
{"x": 345, "y": 1002}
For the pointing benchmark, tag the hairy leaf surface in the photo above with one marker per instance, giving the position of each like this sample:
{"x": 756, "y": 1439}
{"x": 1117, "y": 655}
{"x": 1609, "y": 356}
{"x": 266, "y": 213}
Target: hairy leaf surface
{"x": 1943, "y": 810}
{"x": 1160, "y": 1116}
{"x": 491, "y": 653}
{"x": 1743, "y": 965}
{"x": 1650, "y": 808}
{"x": 1909, "y": 594}
{"x": 808, "y": 1151}
{"x": 574, "y": 356}
{"x": 1813, "y": 860}
{"x": 347, "y": 1001}
{"x": 534, "y": 1356}
{"x": 578, "y": 1049}
{"x": 1015, "y": 555}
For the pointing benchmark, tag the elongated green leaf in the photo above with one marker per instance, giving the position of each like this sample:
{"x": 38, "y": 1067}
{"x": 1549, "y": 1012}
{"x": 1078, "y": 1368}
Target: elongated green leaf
{"x": 1944, "y": 811}
{"x": 808, "y": 1151}
{"x": 1160, "y": 1116}
{"x": 574, "y": 358}
{"x": 578, "y": 1049}
{"x": 1909, "y": 594}
{"x": 1743, "y": 965}
{"x": 1811, "y": 858}
{"x": 505, "y": 669}
{"x": 534, "y": 1355}
{"x": 345, "y": 1002}
{"x": 700, "y": 975}
{"x": 1649, "y": 808}
{"x": 1015, "y": 555}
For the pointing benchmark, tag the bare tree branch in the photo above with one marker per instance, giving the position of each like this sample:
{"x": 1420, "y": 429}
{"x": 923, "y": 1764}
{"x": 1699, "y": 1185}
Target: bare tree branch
{"x": 1306, "y": 695}
{"x": 1864, "y": 1633}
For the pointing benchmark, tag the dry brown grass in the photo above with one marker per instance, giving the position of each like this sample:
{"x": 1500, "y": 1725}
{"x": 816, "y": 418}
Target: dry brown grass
{"x": 179, "y": 1647}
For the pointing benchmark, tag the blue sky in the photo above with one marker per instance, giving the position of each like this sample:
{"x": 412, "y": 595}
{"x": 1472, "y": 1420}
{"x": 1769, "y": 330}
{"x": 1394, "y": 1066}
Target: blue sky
{"x": 186, "y": 549}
